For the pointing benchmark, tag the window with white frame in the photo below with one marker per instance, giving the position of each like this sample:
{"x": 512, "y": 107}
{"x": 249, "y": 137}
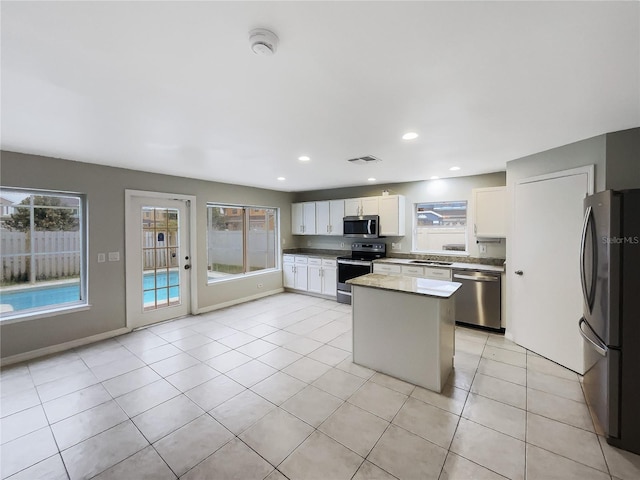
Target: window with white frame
{"x": 440, "y": 227}
{"x": 42, "y": 254}
{"x": 240, "y": 240}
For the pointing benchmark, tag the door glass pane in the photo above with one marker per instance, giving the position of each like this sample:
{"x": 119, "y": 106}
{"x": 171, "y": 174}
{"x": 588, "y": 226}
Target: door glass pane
{"x": 225, "y": 239}
{"x": 161, "y": 262}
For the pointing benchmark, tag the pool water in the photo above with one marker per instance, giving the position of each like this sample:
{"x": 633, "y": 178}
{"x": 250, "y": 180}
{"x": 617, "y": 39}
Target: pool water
{"x": 56, "y": 294}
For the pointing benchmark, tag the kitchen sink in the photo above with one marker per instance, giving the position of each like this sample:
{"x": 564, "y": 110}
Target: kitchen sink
{"x": 430, "y": 262}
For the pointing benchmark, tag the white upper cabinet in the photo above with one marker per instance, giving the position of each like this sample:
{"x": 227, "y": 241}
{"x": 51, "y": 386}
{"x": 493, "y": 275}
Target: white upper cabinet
{"x": 392, "y": 215}
{"x": 361, "y": 206}
{"x": 329, "y": 216}
{"x": 352, "y": 207}
{"x": 325, "y": 217}
{"x": 490, "y": 212}
{"x": 303, "y": 218}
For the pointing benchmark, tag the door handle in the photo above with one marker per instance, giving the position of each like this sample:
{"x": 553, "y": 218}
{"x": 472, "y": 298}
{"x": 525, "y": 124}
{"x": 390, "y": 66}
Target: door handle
{"x": 519, "y": 272}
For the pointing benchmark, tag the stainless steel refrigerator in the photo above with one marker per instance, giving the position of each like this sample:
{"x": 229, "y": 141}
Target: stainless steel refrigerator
{"x": 610, "y": 274}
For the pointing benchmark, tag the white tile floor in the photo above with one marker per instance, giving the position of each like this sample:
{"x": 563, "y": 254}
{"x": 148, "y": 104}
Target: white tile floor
{"x": 268, "y": 390}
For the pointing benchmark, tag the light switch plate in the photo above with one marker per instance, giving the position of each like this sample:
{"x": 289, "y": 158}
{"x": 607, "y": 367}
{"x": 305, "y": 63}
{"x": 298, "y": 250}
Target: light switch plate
{"x": 483, "y": 248}
{"x": 114, "y": 256}
{"x": 102, "y": 258}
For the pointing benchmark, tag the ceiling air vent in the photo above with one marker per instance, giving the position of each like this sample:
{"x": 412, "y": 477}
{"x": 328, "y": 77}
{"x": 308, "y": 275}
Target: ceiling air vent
{"x": 365, "y": 160}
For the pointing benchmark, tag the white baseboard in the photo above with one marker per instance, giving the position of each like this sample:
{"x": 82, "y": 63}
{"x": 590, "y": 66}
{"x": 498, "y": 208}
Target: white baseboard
{"x": 41, "y": 352}
{"x": 237, "y": 301}
{"x": 508, "y": 336}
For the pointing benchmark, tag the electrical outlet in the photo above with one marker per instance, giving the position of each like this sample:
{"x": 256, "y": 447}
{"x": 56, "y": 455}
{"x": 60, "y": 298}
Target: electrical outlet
{"x": 341, "y": 244}
{"x": 308, "y": 243}
{"x": 483, "y": 248}
{"x": 396, "y": 246}
{"x": 102, "y": 258}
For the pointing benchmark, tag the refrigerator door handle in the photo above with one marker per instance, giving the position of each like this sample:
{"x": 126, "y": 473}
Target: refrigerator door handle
{"x": 601, "y": 349}
{"x": 587, "y": 290}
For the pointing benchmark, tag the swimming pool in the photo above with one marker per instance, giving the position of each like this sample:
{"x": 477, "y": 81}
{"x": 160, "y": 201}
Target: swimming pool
{"x": 37, "y": 297}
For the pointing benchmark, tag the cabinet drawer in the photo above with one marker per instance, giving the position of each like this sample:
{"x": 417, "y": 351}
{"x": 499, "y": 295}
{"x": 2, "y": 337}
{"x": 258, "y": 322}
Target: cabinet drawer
{"x": 301, "y": 260}
{"x": 415, "y": 271}
{"x": 314, "y": 261}
{"x": 288, "y": 259}
{"x": 438, "y": 273}
{"x": 386, "y": 268}
{"x": 328, "y": 263}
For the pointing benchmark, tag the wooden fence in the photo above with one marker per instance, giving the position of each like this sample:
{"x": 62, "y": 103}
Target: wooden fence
{"x": 56, "y": 255}
{"x": 225, "y": 248}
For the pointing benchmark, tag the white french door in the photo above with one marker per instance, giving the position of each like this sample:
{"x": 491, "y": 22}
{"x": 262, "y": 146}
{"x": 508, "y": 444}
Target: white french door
{"x": 158, "y": 257}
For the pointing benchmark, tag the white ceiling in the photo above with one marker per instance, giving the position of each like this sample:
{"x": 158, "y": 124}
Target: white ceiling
{"x": 173, "y": 87}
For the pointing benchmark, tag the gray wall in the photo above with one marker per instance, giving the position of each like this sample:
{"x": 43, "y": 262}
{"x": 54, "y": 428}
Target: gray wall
{"x": 623, "y": 160}
{"x": 105, "y": 188}
{"x": 458, "y": 188}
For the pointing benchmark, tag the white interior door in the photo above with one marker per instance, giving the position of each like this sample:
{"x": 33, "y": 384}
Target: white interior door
{"x": 544, "y": 271}
{"x": 158, "y": 259}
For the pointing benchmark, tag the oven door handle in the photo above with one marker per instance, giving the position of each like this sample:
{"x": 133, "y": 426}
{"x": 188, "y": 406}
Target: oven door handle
{"x": 354, "y": 262}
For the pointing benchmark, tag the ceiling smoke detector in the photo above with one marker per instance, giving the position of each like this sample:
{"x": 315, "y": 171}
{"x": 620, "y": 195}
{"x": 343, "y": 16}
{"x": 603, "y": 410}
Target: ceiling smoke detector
{"x": 263, "y": 42}
{"x": 365, "y": 160}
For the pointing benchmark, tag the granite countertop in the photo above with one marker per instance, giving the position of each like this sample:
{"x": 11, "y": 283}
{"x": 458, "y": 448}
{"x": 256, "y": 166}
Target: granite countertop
{"x": 317, "y": 253}
{"x": 405, "y": 284}
{"x": 456, "y": 265}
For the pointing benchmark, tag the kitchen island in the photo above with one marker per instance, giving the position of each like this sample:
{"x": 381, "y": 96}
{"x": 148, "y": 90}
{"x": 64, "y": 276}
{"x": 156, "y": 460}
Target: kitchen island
{"x": 404, "y": 326}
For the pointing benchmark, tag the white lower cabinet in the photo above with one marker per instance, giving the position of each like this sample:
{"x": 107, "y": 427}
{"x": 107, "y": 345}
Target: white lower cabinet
{"x": 329, "y": 277}
{"x": 422, "y": 272}
{"x": 310, "y": 274}
{"x": 413, "y": 271}
{"x": 386, "y": 268}
{"x": 437, "y": 273}
{"x": 314, "y": 275}
{"x": 294, "y": 268}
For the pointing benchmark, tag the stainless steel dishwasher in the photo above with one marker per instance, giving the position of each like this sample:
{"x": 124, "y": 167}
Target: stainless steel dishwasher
{"x": 478, "y": 300}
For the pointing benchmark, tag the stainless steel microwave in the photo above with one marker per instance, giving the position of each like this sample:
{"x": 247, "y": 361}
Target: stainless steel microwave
{"x": 365, "y": 226}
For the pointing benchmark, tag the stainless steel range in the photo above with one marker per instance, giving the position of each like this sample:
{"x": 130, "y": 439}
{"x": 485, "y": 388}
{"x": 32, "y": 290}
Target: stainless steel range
{"x": 359, "y": 263}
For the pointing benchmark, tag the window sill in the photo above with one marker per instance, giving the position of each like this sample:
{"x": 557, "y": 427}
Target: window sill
{"x": 445, "y": 253}
{"x": 241, "y": 276}
{"x": 54, "y": 312}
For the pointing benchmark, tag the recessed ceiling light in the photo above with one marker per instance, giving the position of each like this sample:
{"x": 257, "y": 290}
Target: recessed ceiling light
{"x": 304, "y": 158}
{"x": 410, "y": 136}
{"x": 434, "y": 178}
{"x": 371, "y": 179}
{"x": 282, "y": 179}
{"x": 453, "y": 169}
